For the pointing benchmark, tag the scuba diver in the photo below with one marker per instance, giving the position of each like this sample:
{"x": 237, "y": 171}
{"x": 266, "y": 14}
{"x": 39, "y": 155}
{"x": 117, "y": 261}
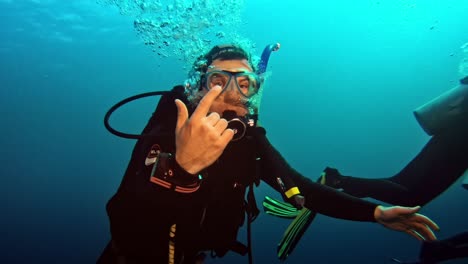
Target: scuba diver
{"x": 441, "y": 162}
{"x": 190, "y": 181}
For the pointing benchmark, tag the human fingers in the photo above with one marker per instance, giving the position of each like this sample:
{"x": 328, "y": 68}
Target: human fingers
{"x": 414, "y": 234}
{"x": 182, "y": 114}
{"x": 221, "y": 125}
{"x": 412, "y": 212}
{"x": 423, "y": 230}
{"x": 427, "y": 221}
{"x": 408, "y": 210}
{"x": 226, "y": 137}
{"x": 204, "y": 105}
{"x": 212, "y": 119}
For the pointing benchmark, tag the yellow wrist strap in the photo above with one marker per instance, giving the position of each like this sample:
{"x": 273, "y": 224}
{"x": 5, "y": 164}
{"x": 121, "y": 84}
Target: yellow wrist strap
{"x": 291, "y": 192}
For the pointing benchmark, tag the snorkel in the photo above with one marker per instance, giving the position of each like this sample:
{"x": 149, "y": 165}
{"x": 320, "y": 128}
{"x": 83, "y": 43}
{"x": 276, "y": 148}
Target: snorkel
{"x": 261, "y": 71}
{"x": 262, "y": 65}
{"x": 241, "y": 125}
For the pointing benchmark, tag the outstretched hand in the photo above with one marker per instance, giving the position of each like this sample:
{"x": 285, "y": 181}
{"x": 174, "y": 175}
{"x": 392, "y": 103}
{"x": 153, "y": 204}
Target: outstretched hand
{"x": 406, "y": 219}
{"x": 200, "y": 139}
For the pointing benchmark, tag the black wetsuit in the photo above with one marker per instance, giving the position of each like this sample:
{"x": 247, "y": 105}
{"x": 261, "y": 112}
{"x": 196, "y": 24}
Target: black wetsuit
{"x": 441, "y": 250}
{"x": 441, "y": 162}
{"x": 438, "y": 165}
{"x": 141, "y": 213}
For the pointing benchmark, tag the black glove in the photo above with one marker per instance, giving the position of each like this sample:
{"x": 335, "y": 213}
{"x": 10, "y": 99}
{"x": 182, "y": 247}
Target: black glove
{"x": 331, "y": 177}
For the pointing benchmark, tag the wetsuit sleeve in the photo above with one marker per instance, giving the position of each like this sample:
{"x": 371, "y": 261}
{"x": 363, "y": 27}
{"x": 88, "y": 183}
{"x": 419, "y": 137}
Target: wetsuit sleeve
{"x": 319, "y": 198}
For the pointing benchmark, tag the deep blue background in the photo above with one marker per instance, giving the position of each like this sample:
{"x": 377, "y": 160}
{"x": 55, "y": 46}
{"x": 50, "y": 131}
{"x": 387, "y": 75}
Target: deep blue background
{"x": 341, "y": 94}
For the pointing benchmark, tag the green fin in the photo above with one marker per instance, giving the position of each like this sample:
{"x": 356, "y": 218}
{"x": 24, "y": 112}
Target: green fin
{"x": 302, "y": 219}
{"x": 278, "y": 208}
{"x": 294, "y": 233}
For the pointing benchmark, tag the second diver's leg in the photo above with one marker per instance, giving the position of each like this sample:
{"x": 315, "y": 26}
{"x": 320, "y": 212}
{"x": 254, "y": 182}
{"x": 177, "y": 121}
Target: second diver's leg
{"x": 441, "y": 250}
{"x": 437, "y": 166}
{"x": 383, "y": 189}
{"x": 441, "y": 162}
{"x": 459, "y": 240}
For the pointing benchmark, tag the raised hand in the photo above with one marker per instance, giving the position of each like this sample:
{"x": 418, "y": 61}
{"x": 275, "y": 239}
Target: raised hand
{"x": 200, "y": 139}
{"x": 406, "y": 219}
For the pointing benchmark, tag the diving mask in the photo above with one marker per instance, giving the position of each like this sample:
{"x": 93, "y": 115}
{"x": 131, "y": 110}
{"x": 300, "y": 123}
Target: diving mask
{"x": 247, "y": 83}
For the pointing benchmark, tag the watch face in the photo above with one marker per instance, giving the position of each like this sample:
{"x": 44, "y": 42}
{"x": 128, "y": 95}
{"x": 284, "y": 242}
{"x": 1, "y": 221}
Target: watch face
{"x": 152, "y": 156}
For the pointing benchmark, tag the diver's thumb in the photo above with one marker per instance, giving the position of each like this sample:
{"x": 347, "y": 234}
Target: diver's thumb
{"x": 413, "y": 210}
{"x": 182, "y": 114}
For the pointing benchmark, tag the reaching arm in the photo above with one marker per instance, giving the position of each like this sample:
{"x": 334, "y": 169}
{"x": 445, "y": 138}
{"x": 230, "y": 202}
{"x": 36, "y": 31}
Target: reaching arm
{"x": 328, "y": 201}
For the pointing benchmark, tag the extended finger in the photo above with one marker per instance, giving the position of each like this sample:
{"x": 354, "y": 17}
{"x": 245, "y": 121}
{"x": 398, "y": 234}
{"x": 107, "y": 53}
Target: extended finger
{"x": 204, "y": 105}
{"x": 424, "y": 230}
{"x": 182, "y": 114}
{"x": 407, "y": 210}
{"x": 414, "y": 234}
{"x": 427, "y": 221}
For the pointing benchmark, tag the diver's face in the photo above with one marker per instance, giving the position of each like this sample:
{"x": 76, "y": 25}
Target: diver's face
{"x": 230, "y": 98}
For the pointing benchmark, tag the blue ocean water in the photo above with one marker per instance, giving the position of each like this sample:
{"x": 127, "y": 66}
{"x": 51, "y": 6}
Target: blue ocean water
{"x": 341, "y": 93}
